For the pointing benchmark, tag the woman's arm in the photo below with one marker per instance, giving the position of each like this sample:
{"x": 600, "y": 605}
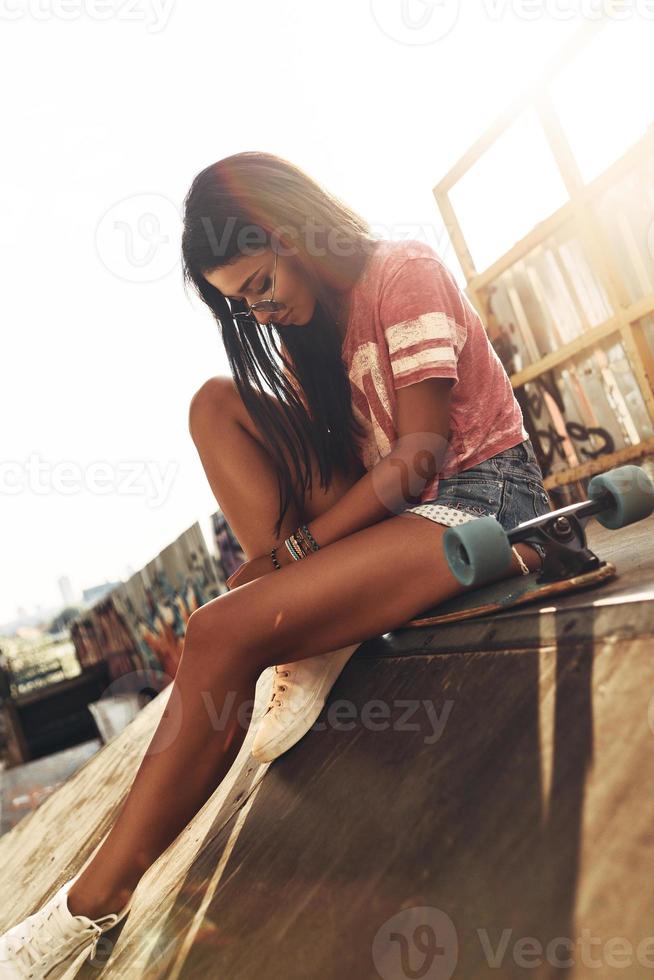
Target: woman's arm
{"x": 391, "y": 485}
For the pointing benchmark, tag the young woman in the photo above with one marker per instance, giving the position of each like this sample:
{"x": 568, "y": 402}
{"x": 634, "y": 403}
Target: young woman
{"x": 367, "y": 412}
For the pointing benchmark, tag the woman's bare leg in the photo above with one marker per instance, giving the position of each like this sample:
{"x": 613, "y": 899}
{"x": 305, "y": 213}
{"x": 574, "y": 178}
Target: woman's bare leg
{"x": 278, "y": 618}
{"x": 241, "y": 474}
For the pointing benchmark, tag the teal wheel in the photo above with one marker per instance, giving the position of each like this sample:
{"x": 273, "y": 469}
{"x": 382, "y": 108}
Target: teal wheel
{"x": 632, "y": 495}
{"x": 478, "y": 551}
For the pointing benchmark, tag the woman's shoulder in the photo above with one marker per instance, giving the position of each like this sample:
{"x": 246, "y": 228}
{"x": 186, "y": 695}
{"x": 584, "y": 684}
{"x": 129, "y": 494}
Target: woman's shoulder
{"x": 408, "y": 248}
{"x": 391, "y": 255}
{"x": 393, "y": 285}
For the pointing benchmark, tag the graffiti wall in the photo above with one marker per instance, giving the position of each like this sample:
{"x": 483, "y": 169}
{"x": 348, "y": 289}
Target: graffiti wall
{"x": 228, "y": 551}
{"x": 589, "y": 406}
{"x": 140, "y": 625}
{"x": 565, "y": 288}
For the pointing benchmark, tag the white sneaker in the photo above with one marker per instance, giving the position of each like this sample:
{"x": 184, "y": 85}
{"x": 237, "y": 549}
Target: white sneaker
{"x": 53, "y": 943}
{"x": 299, "y": 693}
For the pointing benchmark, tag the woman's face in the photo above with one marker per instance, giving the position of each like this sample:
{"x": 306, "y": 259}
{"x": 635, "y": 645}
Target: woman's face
{"x": 250, "y": 278}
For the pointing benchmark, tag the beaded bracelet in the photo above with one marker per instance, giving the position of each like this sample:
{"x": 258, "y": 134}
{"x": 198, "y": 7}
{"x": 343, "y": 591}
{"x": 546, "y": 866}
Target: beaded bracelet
{"x": 299, "y": 545}
{"x": 275, "y": 559}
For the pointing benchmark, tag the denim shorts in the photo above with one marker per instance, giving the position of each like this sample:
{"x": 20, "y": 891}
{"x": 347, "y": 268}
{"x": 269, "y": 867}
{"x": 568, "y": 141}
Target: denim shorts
{"x": 508, "y": 486}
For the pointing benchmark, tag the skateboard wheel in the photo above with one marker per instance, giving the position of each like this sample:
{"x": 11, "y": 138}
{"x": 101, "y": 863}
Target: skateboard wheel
{"x": 478, "y": 551}
{"x": 632, "y": 493}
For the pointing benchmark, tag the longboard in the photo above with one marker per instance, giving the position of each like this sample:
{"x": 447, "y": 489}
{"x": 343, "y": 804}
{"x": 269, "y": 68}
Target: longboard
{"x": 508, "y": 593}
{"x": 479, "y": 551}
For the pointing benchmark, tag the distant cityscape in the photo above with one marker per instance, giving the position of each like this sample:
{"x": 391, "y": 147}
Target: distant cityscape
{"x": 42, "y": 615}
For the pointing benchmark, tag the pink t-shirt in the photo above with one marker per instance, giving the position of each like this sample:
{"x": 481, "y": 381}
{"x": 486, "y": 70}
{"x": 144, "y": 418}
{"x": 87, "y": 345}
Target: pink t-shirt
{"x": 409, "y": 320}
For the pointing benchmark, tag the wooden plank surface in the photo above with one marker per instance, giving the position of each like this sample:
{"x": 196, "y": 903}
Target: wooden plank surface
{"x": 517, "y": 591}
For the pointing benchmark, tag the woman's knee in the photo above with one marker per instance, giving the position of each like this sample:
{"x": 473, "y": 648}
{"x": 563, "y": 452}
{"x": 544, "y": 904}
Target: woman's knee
{"x": 214, "y": 644}
{"x": 213, "y": 401}
{"x": 218, "y": 399}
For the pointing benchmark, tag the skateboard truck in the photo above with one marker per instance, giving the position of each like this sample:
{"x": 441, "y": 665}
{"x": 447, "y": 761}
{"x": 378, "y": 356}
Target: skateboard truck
{"x": 480, "y": 550}
{"x": 564, "y": 539}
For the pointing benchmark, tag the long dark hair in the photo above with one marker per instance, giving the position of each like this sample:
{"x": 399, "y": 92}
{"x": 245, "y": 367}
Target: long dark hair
{"x": 256, "y": 200}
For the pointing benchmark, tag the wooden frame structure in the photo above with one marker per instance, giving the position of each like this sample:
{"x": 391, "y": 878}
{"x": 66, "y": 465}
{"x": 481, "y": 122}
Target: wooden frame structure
{"x": 580, "y": 213}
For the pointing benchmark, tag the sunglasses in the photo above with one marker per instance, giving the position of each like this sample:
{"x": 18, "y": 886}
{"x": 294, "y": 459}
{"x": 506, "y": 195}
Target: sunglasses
{"x": 264, "y": 305}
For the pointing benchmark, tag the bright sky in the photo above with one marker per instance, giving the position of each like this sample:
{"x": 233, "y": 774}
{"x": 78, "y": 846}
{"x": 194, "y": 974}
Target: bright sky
{"x": 110, "y": 109}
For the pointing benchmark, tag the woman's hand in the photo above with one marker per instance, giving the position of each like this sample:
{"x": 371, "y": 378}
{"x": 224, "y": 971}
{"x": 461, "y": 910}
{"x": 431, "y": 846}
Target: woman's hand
{"x": 256, "y": 567}
{"x": 250, "y": 570}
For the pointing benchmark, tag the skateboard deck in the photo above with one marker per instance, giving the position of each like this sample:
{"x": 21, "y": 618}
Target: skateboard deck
{"x": 508, "y": 593}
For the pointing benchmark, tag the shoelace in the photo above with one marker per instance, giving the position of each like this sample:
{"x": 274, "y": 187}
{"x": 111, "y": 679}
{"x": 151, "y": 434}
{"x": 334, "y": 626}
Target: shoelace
{"x": 277, "y": 688}
{"x": 32, "y": 945}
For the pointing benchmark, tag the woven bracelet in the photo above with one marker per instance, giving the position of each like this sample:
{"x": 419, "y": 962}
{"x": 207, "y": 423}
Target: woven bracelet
{"x": 309, "y": 537}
